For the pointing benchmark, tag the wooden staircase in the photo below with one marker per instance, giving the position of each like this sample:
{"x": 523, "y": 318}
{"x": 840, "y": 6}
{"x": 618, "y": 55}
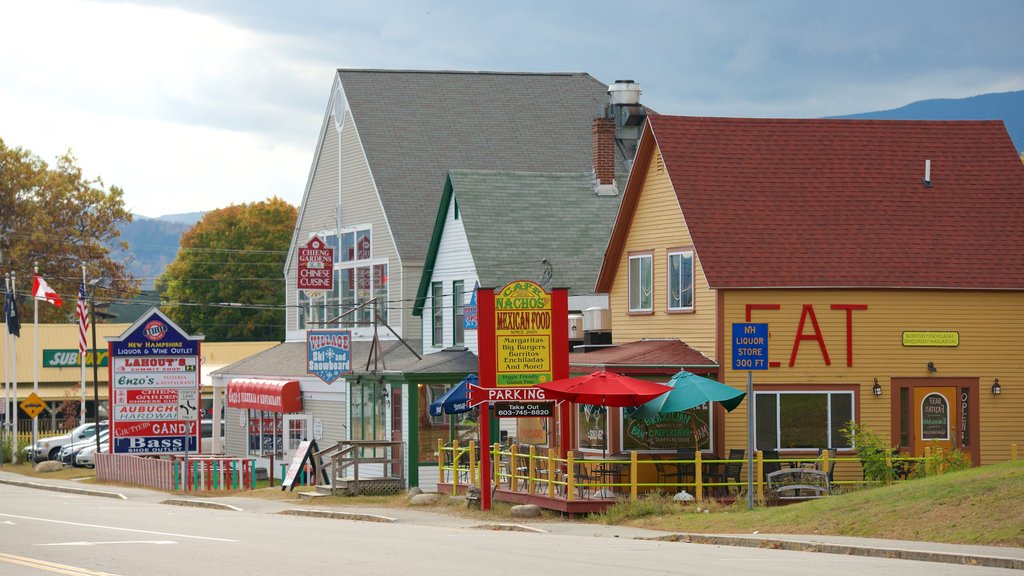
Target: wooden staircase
{"x": 356, "y": 467}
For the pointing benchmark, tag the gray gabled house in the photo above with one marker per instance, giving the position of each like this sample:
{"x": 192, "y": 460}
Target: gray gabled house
{"x": 386, "y": 145}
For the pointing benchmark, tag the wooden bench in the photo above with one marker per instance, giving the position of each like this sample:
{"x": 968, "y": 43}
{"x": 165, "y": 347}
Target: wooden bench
{"x": 796, "y": 484}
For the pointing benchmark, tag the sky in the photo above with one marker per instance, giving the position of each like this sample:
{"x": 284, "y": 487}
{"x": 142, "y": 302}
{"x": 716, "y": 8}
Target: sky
{"x": 193, "y": 105}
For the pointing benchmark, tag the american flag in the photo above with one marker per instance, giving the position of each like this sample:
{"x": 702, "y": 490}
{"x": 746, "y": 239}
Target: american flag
{"x": 83, "y": 320}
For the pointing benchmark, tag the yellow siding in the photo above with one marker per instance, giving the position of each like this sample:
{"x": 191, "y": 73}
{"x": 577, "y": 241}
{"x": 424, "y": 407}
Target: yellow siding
{"x": 990, "y": 325}
{"x": 658, "y": 225}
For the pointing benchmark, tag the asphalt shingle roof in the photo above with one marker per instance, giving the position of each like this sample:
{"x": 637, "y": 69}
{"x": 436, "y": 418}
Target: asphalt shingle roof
{"x": 417, "y": 125}
{"x": 516, "y": 220}
{"x": 653, "y": 352}
{"x": 841, "y": 203}
{"x": 288, "y": 360}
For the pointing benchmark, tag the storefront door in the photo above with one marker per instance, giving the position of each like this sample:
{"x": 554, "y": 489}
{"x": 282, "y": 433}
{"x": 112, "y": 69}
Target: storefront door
{"x": 297, "y": 427}
{"x": 935, "y": 414}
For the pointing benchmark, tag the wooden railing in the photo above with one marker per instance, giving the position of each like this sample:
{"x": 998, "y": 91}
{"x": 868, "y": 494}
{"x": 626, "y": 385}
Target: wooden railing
{"x": 349, "y": 455}
{"x": 542, "y": 472}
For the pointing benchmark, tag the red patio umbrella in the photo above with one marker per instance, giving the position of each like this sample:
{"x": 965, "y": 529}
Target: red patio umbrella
{"x": 604, "y": 389}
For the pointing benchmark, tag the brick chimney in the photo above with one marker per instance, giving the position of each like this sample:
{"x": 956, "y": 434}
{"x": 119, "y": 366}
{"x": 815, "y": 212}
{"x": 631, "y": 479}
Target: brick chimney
{"x": 603, "y": 134}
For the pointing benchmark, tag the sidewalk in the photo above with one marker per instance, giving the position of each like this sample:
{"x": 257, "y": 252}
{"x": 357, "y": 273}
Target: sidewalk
{"x": 990, "y": 556}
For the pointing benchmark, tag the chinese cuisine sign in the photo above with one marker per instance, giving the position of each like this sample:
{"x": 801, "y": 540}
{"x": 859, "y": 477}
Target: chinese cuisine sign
{"x": 316, "y": 266}
{"x": 523, "y": 329}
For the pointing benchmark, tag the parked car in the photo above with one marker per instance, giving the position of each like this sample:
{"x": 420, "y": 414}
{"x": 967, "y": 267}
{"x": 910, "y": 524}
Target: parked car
{"x": 206, "y": 431}
{"x": 49, "y": 448}
{"x": 86, "y": 457}
{"x": 69, "y": 452}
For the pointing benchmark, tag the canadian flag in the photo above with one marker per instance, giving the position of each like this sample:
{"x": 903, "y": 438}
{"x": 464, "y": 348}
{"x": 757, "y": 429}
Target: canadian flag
{"x": 42, "y": 291}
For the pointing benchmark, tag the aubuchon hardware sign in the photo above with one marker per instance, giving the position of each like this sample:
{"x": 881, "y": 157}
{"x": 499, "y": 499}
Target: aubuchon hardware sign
{"x": 154, "y": 365}
{"x": 328, "y": 353}
{"x": 316, "y": 266}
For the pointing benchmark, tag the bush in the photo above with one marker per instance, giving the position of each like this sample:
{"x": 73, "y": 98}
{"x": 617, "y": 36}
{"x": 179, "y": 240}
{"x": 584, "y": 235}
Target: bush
{"x": 875, "y": 455}
{"x": 939, "y": 461}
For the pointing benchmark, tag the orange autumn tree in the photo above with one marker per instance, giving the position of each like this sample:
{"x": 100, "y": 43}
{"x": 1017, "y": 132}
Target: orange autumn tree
{"x": 53, "y": 215}
{"x": 226, "y": 280}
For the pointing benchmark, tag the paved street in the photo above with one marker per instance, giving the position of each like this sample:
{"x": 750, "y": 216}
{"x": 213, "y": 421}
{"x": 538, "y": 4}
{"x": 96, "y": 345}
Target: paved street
{"x": 143, "y": 535}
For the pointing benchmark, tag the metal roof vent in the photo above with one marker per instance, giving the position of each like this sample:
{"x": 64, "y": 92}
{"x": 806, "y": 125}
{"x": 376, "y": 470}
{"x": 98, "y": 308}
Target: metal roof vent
{"x": 624, "y": 92}
{"x": 927, "y": 174}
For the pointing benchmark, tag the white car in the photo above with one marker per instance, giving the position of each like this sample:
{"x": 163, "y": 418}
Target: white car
{"x": 49, "y": 448}
{"x": 86, "y": 457}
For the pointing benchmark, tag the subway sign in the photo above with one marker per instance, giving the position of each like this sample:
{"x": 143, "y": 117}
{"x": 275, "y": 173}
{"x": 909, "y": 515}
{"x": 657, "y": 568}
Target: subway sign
{"x": 69, "y": 358}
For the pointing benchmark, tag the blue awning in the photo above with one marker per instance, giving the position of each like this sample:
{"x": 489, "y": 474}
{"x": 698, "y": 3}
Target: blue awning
{"x": 455, "y": 400}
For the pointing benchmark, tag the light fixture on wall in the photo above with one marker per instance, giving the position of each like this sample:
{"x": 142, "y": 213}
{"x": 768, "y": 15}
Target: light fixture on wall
{"x": 996, "y": 388}
{"x": 931, "y": 367}
{"x": 877, "y": 388}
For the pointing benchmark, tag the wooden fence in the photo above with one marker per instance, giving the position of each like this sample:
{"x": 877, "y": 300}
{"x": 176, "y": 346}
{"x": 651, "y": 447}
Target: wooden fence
{"x": 201, "y": 473}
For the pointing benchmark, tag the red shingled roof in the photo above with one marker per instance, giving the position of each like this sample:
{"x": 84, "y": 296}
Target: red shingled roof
{"x": 841, "y": 203}
{"x": 661, "y": 353}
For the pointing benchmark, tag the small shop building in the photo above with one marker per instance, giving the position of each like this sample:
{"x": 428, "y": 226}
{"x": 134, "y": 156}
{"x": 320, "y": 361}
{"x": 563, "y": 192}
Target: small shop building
{"x": 885, "y": 257}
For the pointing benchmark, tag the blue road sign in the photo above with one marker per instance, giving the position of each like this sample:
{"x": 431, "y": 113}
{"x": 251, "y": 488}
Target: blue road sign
{"x": 749, "y": 346}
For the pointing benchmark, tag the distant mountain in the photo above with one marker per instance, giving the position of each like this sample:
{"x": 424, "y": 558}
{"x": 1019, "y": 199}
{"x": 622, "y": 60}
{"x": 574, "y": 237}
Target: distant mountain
{"x": 153, "y": 244}
{"x": 1005, "y": 106}
{"x": 189, "y": 218}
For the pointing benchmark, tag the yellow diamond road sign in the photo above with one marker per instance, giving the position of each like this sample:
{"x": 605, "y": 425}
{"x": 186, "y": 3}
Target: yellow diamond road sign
{"x": 33, "y": 405}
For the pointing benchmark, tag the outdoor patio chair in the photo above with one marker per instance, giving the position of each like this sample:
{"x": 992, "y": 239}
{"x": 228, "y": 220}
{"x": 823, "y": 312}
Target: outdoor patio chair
{"x": 730, "y": 473}
{"x": 583, "y": 476}
{"x": 770, "y": 463}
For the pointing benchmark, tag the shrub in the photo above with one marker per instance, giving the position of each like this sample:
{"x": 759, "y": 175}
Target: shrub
{"x": 875, "y": 455}
{"x": 939, "y": 461}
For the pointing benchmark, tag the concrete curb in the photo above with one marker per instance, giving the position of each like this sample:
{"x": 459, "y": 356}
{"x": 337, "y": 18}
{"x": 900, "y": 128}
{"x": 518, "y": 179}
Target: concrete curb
{"x": 510, "y": 528}
{"x": 66, "y": 489}
{"x": 337, "y": 515}
{"x": 201, "y": 504}
{"x": 848, "y": 550}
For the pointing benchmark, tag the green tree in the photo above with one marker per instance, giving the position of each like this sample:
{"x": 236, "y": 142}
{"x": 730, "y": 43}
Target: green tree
{"x": 56, "y": 217}
{"x": 226, "y": 281}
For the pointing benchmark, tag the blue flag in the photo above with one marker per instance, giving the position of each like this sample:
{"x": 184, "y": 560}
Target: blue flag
{"x": 11, "y": 315}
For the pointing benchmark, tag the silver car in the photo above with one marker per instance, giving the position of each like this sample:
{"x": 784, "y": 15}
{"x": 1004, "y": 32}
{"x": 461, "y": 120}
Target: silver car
{"x": 86, "y": 457}
{"x": 49, "y": 448}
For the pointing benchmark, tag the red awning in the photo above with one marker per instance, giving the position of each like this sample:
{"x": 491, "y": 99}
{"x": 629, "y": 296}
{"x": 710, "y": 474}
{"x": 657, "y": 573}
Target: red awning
{"x": 270, "y": 395}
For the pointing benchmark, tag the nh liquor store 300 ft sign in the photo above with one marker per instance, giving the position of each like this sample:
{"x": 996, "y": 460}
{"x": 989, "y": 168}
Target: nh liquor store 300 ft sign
{"x": 154, "y": 381}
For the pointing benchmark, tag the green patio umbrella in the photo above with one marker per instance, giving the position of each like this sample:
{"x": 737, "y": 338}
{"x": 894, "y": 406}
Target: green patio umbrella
{"x": 689, "y": 391}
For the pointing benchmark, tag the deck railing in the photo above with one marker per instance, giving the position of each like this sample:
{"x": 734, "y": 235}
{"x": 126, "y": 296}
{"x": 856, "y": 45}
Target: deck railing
{"x": 541, "y": 472}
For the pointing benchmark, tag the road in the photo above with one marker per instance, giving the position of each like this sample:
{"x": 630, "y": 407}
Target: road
{"x": 44, "y": 532}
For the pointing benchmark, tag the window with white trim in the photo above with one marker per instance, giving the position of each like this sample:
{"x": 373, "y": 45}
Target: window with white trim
{"x": 358, "y": 278}
{"x": 802, "y": 420}
{"x": 640, "y": 282}
{"x": 680, "y": 280}
{"x": 437, "y": 314}
{"x": 458, "y": 313}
